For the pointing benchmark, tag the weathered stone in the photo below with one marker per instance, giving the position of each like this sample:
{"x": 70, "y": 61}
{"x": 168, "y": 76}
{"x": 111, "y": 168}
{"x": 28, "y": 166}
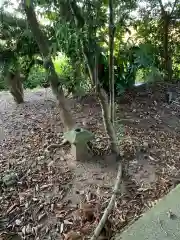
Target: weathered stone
{"x": 79, "y": 138}
{"x": 78, "y": 135}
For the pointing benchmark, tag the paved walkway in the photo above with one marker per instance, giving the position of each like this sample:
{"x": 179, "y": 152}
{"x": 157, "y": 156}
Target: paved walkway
{"x": 157, "y": 223}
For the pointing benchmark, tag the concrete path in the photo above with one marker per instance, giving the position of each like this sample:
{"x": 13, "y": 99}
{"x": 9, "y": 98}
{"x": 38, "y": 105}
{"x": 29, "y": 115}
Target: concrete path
{"x": 162, "y": 222}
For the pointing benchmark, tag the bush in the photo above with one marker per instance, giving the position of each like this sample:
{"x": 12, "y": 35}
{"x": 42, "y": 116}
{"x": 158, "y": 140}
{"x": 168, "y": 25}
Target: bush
{"x": 71, "y": 77}
{"x": 150, "y": 75}
{"x": 36, "y": 78}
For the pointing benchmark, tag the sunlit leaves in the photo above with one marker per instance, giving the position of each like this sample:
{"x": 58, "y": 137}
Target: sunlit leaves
{"x": 144, "y": 55}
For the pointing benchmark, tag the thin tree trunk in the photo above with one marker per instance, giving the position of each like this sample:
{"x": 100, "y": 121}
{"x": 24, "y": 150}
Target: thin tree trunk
{"x": 110, "y": 206}
{"x": 111, "y": 61}
{"x": 103, "y": 100}
{"x": 42, "y": 42}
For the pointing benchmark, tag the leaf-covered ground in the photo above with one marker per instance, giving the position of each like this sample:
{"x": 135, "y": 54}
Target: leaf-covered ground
{"x": 51, "y": 196}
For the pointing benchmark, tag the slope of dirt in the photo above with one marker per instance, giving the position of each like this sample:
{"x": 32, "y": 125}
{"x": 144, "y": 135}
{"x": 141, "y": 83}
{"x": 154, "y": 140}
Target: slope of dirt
{"x": 44, "y": 201}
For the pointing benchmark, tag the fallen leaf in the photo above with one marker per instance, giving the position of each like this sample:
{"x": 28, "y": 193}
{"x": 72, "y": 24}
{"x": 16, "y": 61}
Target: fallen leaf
{"x": 24, "y": 230}
{"x": 68, "y": 222}
{"x": 61, "y": 227}
{"x": 18, "y": 222}
{"x": 10, "y": 236}
{"x": 36, "y": 229}
{"x": 72, "y": 236}
{"x": 43, "y": 187}
{"x": 171, "y": 215}
{"x": 87, "y": 211}
{"x": 11, "y": 208}
{"x": 86, "y": 230}
{"x": 42, "y": 216}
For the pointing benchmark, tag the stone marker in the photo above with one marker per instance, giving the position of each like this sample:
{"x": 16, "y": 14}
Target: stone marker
{"x": 79, "y": 138}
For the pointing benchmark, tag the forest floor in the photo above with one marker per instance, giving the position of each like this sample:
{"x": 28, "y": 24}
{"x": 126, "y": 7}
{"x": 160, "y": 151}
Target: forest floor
{"x": 44, "y": 199}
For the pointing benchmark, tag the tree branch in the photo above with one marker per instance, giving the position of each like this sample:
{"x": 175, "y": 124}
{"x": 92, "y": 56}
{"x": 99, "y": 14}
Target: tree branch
{"x": 40, "y": 38}
{"x": 78, "y": 16}
{"x": 43, "y": 44}
{"x": 175, "y": 2}
{"x": 162, "y": 7}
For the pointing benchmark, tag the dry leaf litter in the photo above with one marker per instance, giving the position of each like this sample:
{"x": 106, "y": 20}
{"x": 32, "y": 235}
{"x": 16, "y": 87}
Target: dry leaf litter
{"x": 47, "y": 195}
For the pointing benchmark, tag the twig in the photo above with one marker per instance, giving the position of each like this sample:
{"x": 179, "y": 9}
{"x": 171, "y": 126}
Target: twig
{"x": 107, "y": 211}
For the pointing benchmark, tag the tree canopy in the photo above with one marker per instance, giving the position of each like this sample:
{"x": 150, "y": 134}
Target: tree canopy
{"x": 146, "y": 38}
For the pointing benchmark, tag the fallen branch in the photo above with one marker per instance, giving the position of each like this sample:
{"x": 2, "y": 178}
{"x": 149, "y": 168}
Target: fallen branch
{"x": 107, "y": 211}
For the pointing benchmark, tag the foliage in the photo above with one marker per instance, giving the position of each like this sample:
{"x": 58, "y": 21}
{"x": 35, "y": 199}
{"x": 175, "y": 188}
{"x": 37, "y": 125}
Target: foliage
{"x": 36, "y": 78}
{"x": 159, "y": 26}
{"x": 151, "y": 74}
{"x": 63, "y": 67}
{"x": 72, "y": 77}
{"x": 138, "y": 42}
{"x": 2, "y": 84}
{"x": 128, "y": 62}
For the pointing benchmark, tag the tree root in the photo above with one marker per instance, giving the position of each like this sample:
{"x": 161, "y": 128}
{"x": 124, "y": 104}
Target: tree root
{"x": 54, "y": 145}
{"x": 107, "y": 211}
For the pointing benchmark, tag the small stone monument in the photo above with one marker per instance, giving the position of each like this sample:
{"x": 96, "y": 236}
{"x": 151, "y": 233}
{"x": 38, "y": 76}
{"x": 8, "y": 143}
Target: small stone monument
{"x": 79, "y": 138}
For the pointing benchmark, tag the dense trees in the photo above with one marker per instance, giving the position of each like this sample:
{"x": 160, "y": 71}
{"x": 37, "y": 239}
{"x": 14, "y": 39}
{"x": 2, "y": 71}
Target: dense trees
{"x": 161, "y": 21}
{"x": 110, "y": 51}
{"x": 65, "y": 36}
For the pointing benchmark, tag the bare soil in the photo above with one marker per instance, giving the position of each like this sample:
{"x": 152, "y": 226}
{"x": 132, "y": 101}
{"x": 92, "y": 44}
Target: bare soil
{"x": 45, "y": 201}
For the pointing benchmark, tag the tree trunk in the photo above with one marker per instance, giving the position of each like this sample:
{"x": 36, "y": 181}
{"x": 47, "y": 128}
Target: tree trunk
{"x": 103, "y": 100}
{"x": 42, "y": 42}
{"x": 15, "y": 86}
{"x": 165, "y": 21}
{"x": 167, "y": 54}
{"x": 111, "y": 61}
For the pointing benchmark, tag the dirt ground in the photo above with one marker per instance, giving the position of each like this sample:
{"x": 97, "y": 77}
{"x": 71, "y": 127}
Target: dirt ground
{"x": 44, "y": 203}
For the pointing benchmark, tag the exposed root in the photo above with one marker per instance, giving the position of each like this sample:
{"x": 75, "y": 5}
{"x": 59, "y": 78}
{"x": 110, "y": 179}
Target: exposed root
{"x": 54, "y": 145}
{"x": 107, "y": 211}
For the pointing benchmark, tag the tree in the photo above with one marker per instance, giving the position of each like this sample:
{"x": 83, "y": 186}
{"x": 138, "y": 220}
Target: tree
{"x": 42, "y": 42}
{"x": 160, "y": 22}
{"x": 16, "y": 43}
{"x": 15, "y": 85}
{"x": 11, "y": 73}
{"x": 92, "y": 53}
{"x": 83, "y": 24}
{"x": 166, "y": 19}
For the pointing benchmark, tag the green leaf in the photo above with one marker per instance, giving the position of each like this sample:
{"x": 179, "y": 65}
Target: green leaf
{"x": 28, "y": 3}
